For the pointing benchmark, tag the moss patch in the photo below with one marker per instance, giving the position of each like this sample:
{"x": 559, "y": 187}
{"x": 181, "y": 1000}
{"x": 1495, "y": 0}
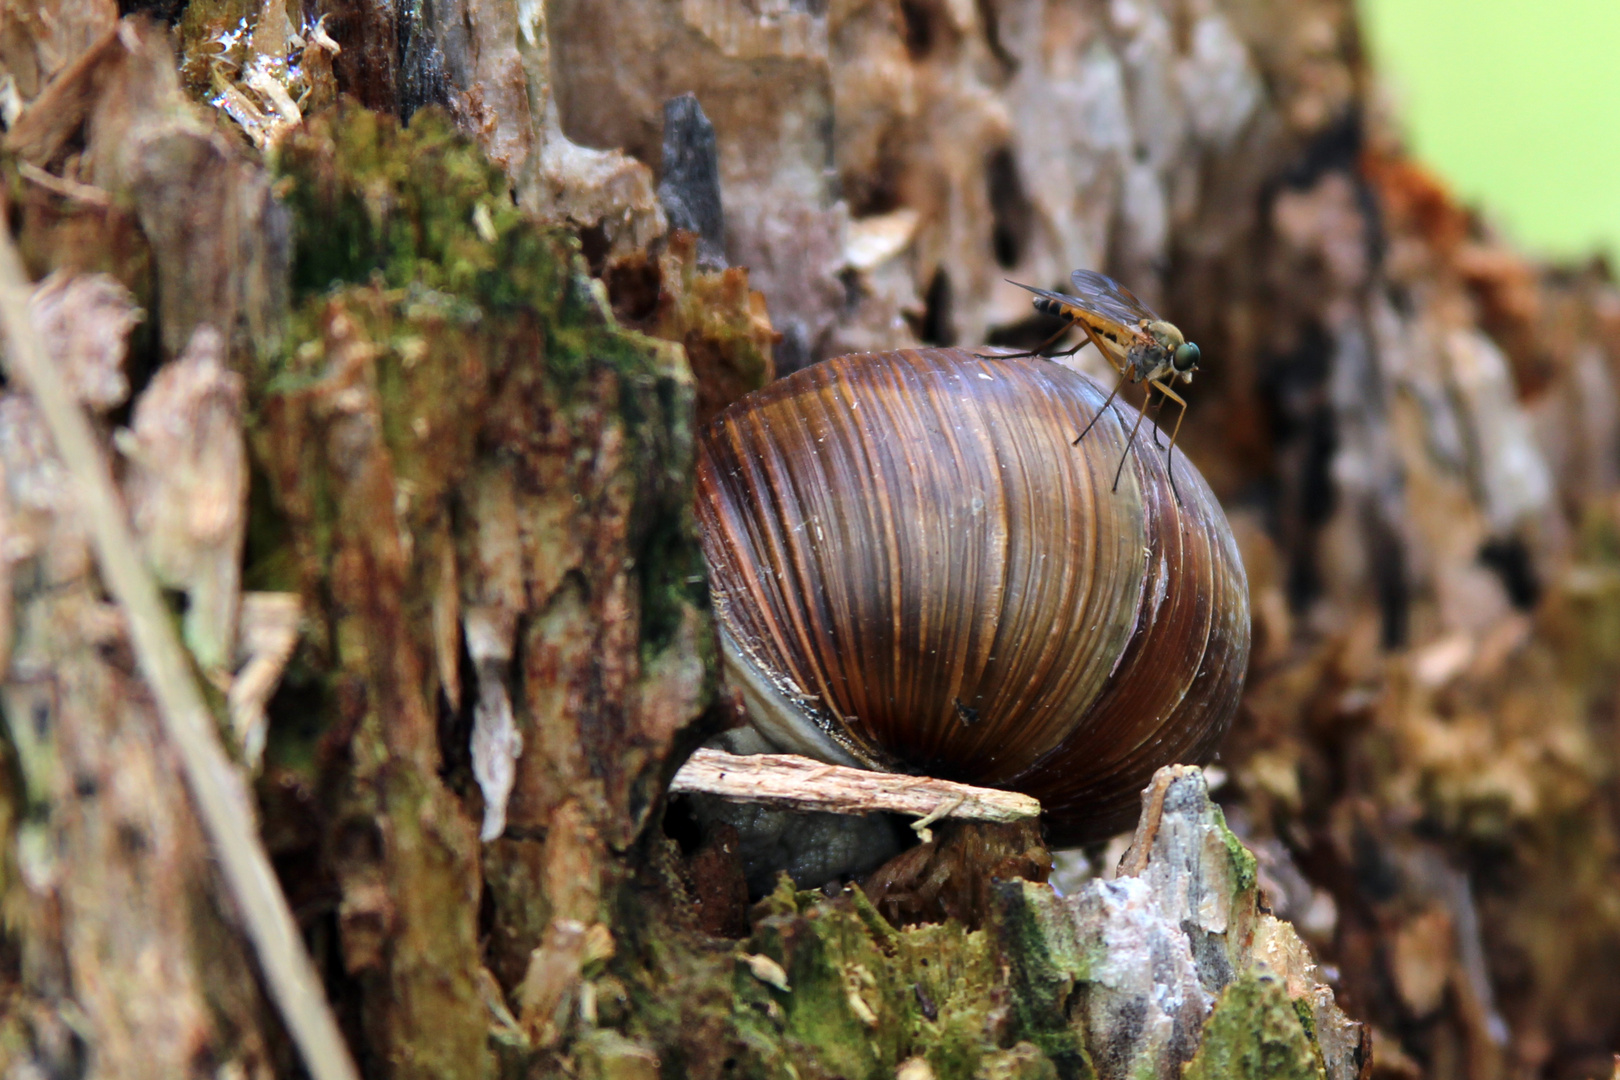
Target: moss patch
{"x": 421, "y": 207}
{"x": 1255, "y": 1033}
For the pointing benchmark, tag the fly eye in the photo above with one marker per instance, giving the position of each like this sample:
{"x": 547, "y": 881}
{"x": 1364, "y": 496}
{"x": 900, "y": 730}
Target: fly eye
{"x": 1186, "y": 358}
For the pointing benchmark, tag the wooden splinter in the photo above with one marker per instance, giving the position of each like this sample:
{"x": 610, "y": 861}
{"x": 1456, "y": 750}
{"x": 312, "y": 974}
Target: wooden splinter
{"x": 798, "y": 783}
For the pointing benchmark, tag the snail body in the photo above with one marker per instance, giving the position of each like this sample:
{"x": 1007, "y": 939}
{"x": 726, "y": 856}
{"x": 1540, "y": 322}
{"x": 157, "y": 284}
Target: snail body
{"x": 913, "y": 570}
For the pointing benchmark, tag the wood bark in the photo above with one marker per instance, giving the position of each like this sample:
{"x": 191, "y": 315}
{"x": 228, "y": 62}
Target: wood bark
{"x": 458, "y": 354}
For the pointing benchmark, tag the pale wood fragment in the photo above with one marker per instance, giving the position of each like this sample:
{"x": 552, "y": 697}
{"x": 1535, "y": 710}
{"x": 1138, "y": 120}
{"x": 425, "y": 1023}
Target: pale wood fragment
{"x": 798, "y": 783}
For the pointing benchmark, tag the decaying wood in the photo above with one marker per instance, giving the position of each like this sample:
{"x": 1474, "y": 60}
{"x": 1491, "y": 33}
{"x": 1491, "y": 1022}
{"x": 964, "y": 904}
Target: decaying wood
{"x": 1183, "y": 882}
{"x": 466, "y": 473}
{"x": 219, "y": 789}
{"x": 789, "y": 780}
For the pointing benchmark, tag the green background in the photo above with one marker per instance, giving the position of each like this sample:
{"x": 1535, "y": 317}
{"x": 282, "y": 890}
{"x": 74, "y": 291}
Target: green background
{"x": 1516, "y": 104}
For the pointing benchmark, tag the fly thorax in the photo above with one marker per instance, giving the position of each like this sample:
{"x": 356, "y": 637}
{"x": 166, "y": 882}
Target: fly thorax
{"x": 1166, "y": 334}
{"x": 1147, "y": 360}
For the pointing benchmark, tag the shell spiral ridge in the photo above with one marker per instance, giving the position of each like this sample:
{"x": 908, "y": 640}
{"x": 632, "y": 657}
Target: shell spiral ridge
{"x": 905, "y": 548}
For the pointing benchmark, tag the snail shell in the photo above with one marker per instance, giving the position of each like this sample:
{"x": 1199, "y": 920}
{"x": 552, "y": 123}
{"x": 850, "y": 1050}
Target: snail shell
{"x": 913, "y": 570}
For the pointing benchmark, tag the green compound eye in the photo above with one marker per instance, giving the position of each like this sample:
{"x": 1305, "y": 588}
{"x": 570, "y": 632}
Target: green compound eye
{"x": 1186, "y": 358}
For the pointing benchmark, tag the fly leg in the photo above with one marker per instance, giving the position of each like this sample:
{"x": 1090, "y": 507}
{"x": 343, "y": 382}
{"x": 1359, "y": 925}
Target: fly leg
{"x": 1040, "y": 349}
{"x": 1099, "y": 413}
{"x": 1158, "y": 407}
{"x": 1091, "y": 336}
{"x": 1129, "y": 442}
{"x": 1169, "y": 454}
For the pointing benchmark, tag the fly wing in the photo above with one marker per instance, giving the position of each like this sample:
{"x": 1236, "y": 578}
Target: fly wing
{"x": 1108, "y": 298}
{"x": 1056, "y": 297}
{"x": 1114, "y": 329}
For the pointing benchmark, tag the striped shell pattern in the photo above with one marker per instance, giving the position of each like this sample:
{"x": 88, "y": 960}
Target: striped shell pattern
{"x": 914, "y": 570}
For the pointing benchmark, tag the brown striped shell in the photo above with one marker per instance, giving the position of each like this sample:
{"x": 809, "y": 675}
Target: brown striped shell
{"x": 914, "y": 570}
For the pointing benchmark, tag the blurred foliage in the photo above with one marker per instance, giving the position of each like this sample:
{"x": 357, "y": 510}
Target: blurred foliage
{"x": 1513, "y": 104}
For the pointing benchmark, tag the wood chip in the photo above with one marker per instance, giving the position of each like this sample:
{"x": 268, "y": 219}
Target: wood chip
{"x": 766, "y": 970}
{"x": 798, "y": 783}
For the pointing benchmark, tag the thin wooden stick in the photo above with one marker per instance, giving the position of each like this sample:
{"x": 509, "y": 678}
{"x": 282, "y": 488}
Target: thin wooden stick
{"x": 216, "y": 785}
{"x": 798, "y": 783}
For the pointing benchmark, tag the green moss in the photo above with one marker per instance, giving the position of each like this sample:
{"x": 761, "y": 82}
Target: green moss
{"x": 1021, "y": 1062}
{"x": 421, "y": 207}
{"x": 674, "y": 578}
{"x": 860, "y": 998}
{"x": 1255, "y": 1033}
{"x": 407, "y": 246}
{"x": 836, "y": 1014}
{"x": 406, "y": 242}
{"x": 785, "y": 900}
{"x": 1045, "y": 963}
{"x": 1245, "y": 872}
{"x": 953, "y": 972}
{"x": 369, "y": 197}
{"x": 1307, "y": 1019}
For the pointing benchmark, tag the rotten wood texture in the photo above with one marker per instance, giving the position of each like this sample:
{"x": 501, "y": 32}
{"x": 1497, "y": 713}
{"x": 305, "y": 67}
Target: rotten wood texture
{"x": 1414, "y": 428}
{"x": 1179, "y": 940}
{"x": 788, "y": 780}
{"x": 455, "y": 481}
{"x": 177, "y": 536}
{"x": 952, "y": 875}
{"x": 38, "y": 42}
{"x": 203, "y": 207}
{"x": 132, "y": 961}
{"x": 133, "y": 964}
